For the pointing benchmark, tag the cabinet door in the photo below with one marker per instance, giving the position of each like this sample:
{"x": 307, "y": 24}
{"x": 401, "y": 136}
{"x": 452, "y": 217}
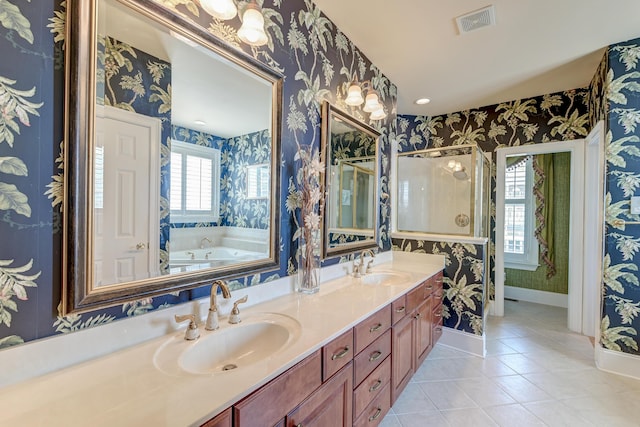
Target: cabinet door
{"x": 422, "y": 331}
{"x": 402, "y": 351}
{"x": 329, "y": 405}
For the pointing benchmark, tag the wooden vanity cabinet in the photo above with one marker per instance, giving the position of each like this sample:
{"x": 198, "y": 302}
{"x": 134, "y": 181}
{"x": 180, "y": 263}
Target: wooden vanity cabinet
{"x": 354, "y": 379}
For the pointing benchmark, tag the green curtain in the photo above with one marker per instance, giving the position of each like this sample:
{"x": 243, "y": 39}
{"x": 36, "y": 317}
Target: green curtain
{"x": 544, "y": 198}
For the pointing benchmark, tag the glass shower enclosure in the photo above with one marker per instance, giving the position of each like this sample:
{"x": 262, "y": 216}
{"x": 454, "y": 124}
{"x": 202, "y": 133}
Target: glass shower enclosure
{"x": 444, "y": 191}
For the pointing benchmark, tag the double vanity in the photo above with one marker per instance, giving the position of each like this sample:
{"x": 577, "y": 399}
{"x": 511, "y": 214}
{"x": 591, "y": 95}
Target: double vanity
{"x": 336, "y": 358}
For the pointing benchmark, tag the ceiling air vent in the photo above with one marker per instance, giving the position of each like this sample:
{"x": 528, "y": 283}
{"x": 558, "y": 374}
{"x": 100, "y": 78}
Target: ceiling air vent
{"x": 475, "y": 20}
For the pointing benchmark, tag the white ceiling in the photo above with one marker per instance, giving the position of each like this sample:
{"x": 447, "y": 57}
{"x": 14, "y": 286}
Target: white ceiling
{"x": 204, "y": 87}
{"x": 537, "y": 46}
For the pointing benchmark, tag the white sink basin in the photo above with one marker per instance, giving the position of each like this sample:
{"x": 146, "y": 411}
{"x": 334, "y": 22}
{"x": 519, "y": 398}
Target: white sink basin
{"x": 384, "y": 278}
{"x": 230, "y": 348}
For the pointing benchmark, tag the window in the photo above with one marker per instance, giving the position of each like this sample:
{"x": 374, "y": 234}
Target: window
{"x": 195, "y": 183}
{"x": 520, "y": 244}
{"x": 258, "y": 182}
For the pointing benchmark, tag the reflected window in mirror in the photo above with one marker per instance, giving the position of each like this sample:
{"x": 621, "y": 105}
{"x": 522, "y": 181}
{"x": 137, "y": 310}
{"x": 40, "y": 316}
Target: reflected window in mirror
{"x": 195, "y": 183}
{"x": 350, "y": 148}
{"x": 258, "y": 181}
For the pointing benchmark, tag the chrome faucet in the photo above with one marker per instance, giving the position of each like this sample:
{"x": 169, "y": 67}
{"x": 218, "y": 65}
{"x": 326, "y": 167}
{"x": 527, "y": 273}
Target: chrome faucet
{"x": 212, "y": 318}
{"x": 361, "y": 268}
{"x": 205, "y": 239}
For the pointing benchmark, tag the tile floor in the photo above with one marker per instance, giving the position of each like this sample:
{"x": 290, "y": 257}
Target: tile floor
{"x": 536, "y": 373}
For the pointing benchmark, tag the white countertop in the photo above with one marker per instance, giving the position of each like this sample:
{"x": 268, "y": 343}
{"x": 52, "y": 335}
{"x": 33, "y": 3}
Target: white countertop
{"x": 126, "y": 389}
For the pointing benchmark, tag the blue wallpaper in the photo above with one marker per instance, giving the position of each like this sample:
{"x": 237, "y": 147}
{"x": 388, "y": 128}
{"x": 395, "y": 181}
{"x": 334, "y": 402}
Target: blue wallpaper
{"x": 317, "y": 60}
{"x": 619, "y": 79}
{"x": 463, "y": 281}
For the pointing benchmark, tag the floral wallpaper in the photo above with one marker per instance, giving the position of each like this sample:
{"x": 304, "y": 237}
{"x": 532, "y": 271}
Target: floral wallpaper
{"x": 236, "y": 209}
{"x": 317, "y": 60}
{"x": 463, "y": 282}
{"x": 619, "y": 79}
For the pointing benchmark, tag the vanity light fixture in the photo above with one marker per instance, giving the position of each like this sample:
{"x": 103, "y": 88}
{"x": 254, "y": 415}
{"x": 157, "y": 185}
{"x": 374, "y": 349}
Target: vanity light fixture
{"x": 220, "y": 9}
{"x": 378, "y": 113}
{"x": 252, "y": 29}
{"x": 371, "y": 102}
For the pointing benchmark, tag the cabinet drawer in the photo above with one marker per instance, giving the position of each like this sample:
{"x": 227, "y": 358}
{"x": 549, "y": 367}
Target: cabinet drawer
{"x": 371, "y": 328}
{"x": 437, "y": 332}
{"x": 269, "y": 404}
{"x": 437, "y": 282}
{"x": 371, "y": 357}
{"x": 398, "y": 309}
{"x": 415, "y": 297}
{"x": 364, "y": 394}
{"x": 221, "y": 420}
{"x": 337, "y": 354}
{"x": 375, "y": 412}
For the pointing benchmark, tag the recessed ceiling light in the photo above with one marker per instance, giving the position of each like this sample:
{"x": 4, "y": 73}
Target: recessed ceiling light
{"x": 423, "y": 101}
{"x": 199, "y": 122}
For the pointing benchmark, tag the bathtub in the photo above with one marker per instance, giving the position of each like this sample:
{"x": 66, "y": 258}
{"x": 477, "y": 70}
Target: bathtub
{"x": 195, "y": 259}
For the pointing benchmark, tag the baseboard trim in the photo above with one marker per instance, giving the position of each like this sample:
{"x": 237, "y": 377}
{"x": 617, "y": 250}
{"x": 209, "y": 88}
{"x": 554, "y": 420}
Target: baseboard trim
{"x": 617, "y": 362}
{"x": 463, "y": 341}
{"x": 535, "y": 296}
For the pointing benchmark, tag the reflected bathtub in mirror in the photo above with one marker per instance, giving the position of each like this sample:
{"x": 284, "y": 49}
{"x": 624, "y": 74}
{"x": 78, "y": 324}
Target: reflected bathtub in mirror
{"x": 350, "y": 151}
{"x": 165, "y": 123}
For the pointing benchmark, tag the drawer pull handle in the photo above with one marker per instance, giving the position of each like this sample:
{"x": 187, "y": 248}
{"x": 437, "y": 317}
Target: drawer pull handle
{"x": 439, "y": 329}
{"x": 375, "y": 386}
{"x": 341, "y": 354}
{"x": 376, "y": 415}
{"x": 439, "y": 314}
{"x": 418, "y": 315}
{"x": 375, "y": 356}
{"x": 299, "y": 425}
{"x": 401, "y": 309}
{"x": 429, "y": 287}
{"x": 375, "y": 328}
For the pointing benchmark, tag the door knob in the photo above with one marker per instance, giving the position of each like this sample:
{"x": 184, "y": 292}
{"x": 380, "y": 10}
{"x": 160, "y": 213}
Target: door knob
{"x": 140, "y": 246}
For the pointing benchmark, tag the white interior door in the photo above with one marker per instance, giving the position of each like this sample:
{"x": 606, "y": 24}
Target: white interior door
{"x": 126, "y": 228}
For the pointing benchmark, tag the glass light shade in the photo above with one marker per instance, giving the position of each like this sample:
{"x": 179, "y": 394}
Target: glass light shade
{"x": 371, "y": 103}
{"x": 451, "y": 164}
{"x": 221, "y": 9}
{"x": 378, "y": 114}
{"x": 354, "y": 95}
{"x": 252, "y": 29}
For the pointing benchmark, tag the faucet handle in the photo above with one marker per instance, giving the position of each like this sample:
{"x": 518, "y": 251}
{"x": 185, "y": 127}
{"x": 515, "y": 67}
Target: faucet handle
{"x": 234, "y": 317}
{"x": 368, "y": 270}
{"x": 192, "y": 332}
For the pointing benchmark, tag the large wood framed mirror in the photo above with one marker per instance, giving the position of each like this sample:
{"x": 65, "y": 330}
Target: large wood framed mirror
{"x": 164, "y": 124}
{"x": 350, "y": 151}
